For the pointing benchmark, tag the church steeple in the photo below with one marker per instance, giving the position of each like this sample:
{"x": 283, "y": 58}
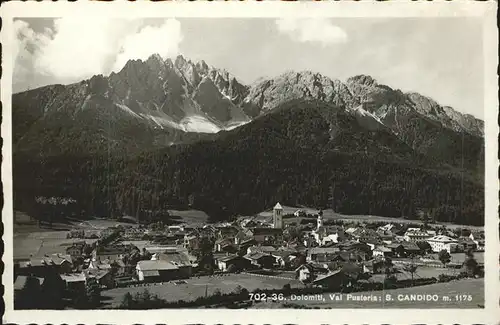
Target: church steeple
{"x": 320, "y": 220}
{"x": 278, "y": 216}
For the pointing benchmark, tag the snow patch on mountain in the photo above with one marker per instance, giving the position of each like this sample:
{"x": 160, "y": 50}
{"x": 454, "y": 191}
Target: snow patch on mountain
{"x": 367, "y": 119}
{"x": 235, "y": 125}
{"x": 127, "y": 109}
{"x": 197, "y": 123}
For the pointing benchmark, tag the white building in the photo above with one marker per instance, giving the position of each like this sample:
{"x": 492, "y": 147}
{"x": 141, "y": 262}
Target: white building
{"x": 278, "y": 216}
{"x": 440, "y": 242}
{"x": 415, "y": 234}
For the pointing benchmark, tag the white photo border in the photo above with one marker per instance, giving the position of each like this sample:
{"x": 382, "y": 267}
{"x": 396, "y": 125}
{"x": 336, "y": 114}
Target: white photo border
{"x": 485, "y": 10}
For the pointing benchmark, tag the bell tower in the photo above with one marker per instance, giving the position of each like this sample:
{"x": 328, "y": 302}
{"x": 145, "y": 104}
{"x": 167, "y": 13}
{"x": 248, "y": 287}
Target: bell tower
{"x": 278, "y": 216}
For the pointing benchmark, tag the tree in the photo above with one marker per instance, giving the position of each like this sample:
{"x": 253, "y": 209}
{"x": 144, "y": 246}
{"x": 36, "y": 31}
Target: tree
{"x": 444, "y": 257}
{"x": 291, "y": 233}
{"x": 424, "y": 246}
{"x": 93, "y": 292}
{"x": 424, "y": 217}
{"x": 388, "y": 267}
{"x": 412, "y": 269}
{"x": 29, "y": 296}
{"x": 470, "y": 264}
{"x": 127, "y": 301}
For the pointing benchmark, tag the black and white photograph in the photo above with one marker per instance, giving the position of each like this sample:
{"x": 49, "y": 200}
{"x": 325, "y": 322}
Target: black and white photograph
{"x": 249, "y": 163}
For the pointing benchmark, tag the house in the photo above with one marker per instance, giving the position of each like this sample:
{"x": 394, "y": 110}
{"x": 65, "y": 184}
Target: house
{"x": 262, "y": 235}
{"x": 191, "y": 241}
{"x": 228, "y": 231}
{"x": 386, "y": 236}
{"x": 467, "y": 244}
{"x": 60, "y": 264}
{"x": 335, "y": 279}
{"x": 157, "y": 271}
{"x": 183, "y": 261}
{"x": 411, "y": 249}
{"x": 75, "y": 282}
{"x": 299, "y": 213}
{"x": 226, "y": 245}
{"x": 351, "y": 230}
{"x": 284, "y": 257}
{"x": 415, "y": 234}
{"x": 261, "y": 260}
{"x": 49, "y": 278}
{"x": 382, "y": 251}
{"x": 480, "y": 244}
{"x": 76, "y": 249}
{"x": 261, "y": 249}
{"x": 111, "y": 252}
{"x": 478, "y": 239}
{"x": 397, "y": 249}
{"x": 230, "y": 263}
{"x": 322, "y": 254}
{"x": 304, "y": 273}
{"x": 116, "y": 267}
{"x": 248, "y": 223}
{"x": 440, "y": 242}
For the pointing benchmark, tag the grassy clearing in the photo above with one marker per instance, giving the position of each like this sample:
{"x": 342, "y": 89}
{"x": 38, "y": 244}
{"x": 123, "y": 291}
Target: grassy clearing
{"x": 196, "y": 286}
{"x": 190, "y": 217}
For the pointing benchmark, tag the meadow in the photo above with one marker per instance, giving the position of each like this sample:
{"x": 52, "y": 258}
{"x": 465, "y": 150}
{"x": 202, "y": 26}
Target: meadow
{"x": 198, "y": 286}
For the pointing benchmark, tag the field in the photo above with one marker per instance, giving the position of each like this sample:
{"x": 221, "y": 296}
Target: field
{"x": 41, "y": 243}
{"x": 472, "y": 289}
{"x": 190, "y": 217}
{"x": 196, "y": 287}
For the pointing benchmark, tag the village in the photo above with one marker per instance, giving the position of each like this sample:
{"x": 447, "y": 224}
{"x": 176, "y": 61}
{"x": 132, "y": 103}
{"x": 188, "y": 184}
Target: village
{"x": 131, "y": 265}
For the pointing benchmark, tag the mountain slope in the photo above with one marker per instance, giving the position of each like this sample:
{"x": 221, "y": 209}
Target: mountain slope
{"x": 148, "y": 104}
{"x": 418, "y": 121}
{"x": 303, "y": 152}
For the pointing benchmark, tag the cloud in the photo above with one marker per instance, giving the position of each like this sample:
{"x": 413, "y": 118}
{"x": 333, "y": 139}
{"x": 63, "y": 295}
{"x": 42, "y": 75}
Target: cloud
{"x": 75, "y": 49}
{"x": 163, "y": 40}
{"x": 319, "y": 30}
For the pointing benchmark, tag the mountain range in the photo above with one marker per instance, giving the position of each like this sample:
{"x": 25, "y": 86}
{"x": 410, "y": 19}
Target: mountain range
{"x": 178, "y": 117}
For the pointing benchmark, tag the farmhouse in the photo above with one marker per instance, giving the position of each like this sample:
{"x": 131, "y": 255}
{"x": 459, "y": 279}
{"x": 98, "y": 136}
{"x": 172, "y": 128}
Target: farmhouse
{"x": 232, "y": 263}
{"x": 157, "y": 271}
{"x": 333, "y": 279}
{"x": 181, "y": 260}
{"x": 261, "y": 260}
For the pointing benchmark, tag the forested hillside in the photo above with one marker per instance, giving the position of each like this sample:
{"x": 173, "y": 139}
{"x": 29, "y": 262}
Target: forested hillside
{"x": 303, "y": 152}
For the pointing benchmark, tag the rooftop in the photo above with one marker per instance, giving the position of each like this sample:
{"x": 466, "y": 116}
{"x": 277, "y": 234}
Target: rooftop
{"x": 155, "y": 265}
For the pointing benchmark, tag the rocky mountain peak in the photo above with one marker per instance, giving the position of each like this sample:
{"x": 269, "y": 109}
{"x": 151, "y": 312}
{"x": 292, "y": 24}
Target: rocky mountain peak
{"x": 180, "y": 61}
{"x": 362, "y": 80}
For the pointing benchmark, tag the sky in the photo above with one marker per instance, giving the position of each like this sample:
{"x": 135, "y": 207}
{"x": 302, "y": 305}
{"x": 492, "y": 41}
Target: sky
{"x": 438, "y": 57}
